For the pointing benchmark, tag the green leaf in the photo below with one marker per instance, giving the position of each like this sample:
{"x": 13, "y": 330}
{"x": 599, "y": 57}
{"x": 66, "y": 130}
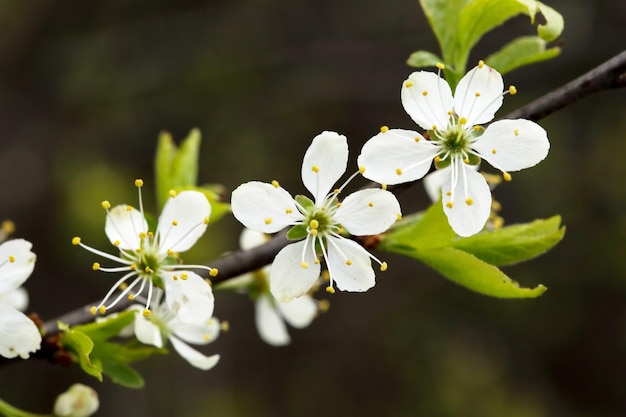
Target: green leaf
{"x": 467, "y": 270}
{"x": 82, "y": 346}
{"x": 124, "y": 375}
{"x": 304, "y": 201}
{"x": 554, "y": 25}
{"x": 420, "y": 59}
{"x": 297, "y": 232}
{"x": 519, "y": 52}
{"x": 443, "y": 16}
{"x": 513, "y": 244}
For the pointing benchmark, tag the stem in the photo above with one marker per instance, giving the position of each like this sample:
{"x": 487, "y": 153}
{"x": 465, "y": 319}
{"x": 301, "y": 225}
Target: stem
{"x": 8, "y": 410}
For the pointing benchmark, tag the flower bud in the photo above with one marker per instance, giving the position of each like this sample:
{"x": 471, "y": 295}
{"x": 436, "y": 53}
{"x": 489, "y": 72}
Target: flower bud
{"x": 78, "y": 401}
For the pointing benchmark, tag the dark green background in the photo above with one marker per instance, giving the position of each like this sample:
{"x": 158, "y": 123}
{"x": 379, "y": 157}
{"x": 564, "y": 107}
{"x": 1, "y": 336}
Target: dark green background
{"x": 85, "y": 88}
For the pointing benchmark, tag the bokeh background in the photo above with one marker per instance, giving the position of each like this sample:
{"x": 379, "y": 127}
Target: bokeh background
{"x": 85, "y": 89}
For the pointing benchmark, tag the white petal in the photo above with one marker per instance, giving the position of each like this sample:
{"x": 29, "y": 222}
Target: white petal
{"x": 397, "y": 156}
{"x": 18, "y": 333}
{"x": 194, "y": 357}
{"x": 427, "y": 98}
{"x": 182, "y": 221}
{"x": 479, "y": 95}
{"x": 17, "y": 298}
{"x": 511, "y": 145}
{"x": 433, "y": 183}
{"x": 358, "y": 275}
{"x": 146, "y": 331}
{"x": 269, "y": 323}
{"x": 368, "y": 212}
{"x": 288, "y": 278}
{"x": 298, "y": 312}
{"x": 251, "y": 238}
{"x": 190, "y": 299}
{"x": 123, "y": 226}
{"x": 198, "y": 334}
{"x": 263, "y": 207}
{"x": 324, "y": 163}
{"x": 13, "y": 274}
{"x": 467, "y": 219}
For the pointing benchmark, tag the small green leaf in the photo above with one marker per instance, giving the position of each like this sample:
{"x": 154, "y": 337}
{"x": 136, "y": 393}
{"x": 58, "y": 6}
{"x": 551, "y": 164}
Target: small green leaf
{"x": 108, "y": 328}
{"x": 513, "y": 244}
{"x": 554, "y": 20}
{"x": 519, "y": 52}
{"x": 297, "y": 232}
{"x": 443, "y": 16}
{"x": 306, "y": 203}
{"x": 82, "y": 346}
{"x": 467, "y": 270}
{"x": 421, "y": 59}
{"x": 124, "y": 375}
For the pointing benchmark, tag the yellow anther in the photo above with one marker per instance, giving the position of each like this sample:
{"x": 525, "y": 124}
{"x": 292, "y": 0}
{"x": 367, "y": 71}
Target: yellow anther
{"x": 207, "y": 337}
{"x": 417, "y": 138}
{"x": 469, "y": 201}
{"x": 399, "y": 217}
{"x": 132, "y": 267}
{"x": 408, "y": 84}
{"x": 384, "y": 129}
{"x": 313, "y": 232}
{"x": 330, "y": 290}
{"x": 336, "y": 191}
{"x": 493, "y": 151}
{"x": 370, "y": 204}
{"x": 506, "y": 176}
{"x": 150, "y": 235}
{"x": 449, "y": 204}
{"x": 8, "y": 227}
{"x": 314, "y": 224}
{"x": 424, "y": 93}
{"x": 449, "y": 193}
{"x": 95, "y": 266}
{"x": 213, "y": 272}
{"x": 316, "y": 262}
{"x": 440, "y": 65}
{"x": 174, "y": 277}
{"x": 142, "y": 235}
{"x": 268, "y": 220}
{"x": 340, "y": 230}
{"x": 383, "y": 266}
{"x": 93, "y": 310}
{"x": 338, "y": 205}
{"x": 76, "y": 241}
{"x": 477, "y": 128}
{"x": 304, "y": 264}
{"x": 184, "y": 277}
{"x": 275, "y": 184}
{"x": 466, "y": 160}
{"x": 172, "y": 193}
{"x": 512, "y": 90}
{"x": 131, "y": 297}
{"x": 174, "y": 222}
{"x": 138, "y": 183}
{"x": 225, "y": 326}
{"x": 516, "y": 132}
{"x": 481, "y": 63}
{"x": 116, "y": 243}
{"x": 434, "y": 127}
{"x": 398, "y": 171}
{"x": 147, "y": 313}
{"x": 170, "y": 252}
{"x": 497, "y": 222}
{"x": 148, "y": 270}
{"x": 315, "y": 169}
{"x": 205, "y": 220}
{"x": 449, "y": 112}
{"x": 129, "y": 208}
{"x": 383, "y": 186}
{"x": 105, "y": 205}
{"x": 462, "y": 120}
{"x": 361, "y": 170}
{"x": 102, "y": 309}
{"x": 325, "y": 275}
{"x": 437, "y": 159}
{"x": 348, "y": 262}
{"x": 123, "y": 286}
{"x": 11, "y": 258}
{"x": 477, "y": 94}
{"x": 323, "y": 306}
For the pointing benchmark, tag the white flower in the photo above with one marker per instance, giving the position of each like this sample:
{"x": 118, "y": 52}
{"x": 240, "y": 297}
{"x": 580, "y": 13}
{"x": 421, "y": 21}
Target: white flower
{"x": 164, "y": 325}
{"x": 268, "y": 208}
{"x": 150, "y": 259}
{"x": 271, "y": 314}
{"x": 18, "y": 334}
{"x": 78, "y": 401}
{"x": 456, "y": 141}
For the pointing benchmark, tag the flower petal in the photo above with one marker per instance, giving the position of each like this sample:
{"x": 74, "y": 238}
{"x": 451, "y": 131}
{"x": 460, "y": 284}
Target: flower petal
{"x": 18, "y": 334}
{"x": 190, "y": 299}
{"x": 183, "y": 220}
{"x": 299, "y": 312}
{"x": 397, "y": 156}
{"x": 288, "y": 278}
{"x": 368, "y": 212}
{"x": 198, "y": 334}
{"x": 479, "y": 95}
{"x": 264, "y": 207}
{"x": 433, "y": 183}
{"x": 511, "y": 145}
{"x": 427, "y": 98}
{"x": 146, "y": 331}
{"x": 251, "y": 238}
{"x": 17, "y": 298}
{"x": 349, "y": 265}
{"x": 269, "y": 323}
{"x": 324, "y": 163}
{"x": 123, "y": 226}
{"x": 467, "y": 205}
{"x": 194, "y": 357}
{"x": 17, "y": 262}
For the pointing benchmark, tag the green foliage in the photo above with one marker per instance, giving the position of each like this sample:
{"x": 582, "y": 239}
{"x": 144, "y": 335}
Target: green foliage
{"x": 176, "y": 168}
{"x": 519, "y": 52}
{"x": 98, "y": 355}
{"x": 460, "y": 24}
{"x": 473, "y": 261}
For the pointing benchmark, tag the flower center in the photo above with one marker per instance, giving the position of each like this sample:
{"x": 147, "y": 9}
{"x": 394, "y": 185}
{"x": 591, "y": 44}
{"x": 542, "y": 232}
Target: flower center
{"x": 455, "y": 142}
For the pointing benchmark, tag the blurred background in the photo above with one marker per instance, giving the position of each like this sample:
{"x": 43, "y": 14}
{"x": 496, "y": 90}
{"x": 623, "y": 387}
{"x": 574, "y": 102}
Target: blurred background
{"x": 85, "y": 89}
